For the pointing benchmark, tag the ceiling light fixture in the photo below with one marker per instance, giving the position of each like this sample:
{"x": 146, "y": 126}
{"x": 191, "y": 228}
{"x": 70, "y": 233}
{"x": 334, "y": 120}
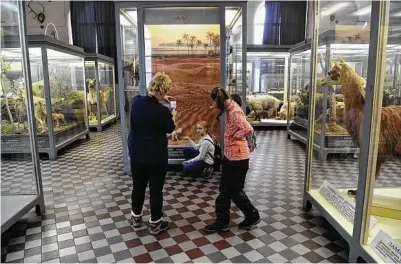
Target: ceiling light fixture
{"x": 363, "y": 11}
{"x": 333, "y": 9}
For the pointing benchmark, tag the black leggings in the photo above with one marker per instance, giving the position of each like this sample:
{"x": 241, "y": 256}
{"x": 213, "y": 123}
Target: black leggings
{"x": 155, "y": 175}
{"x": 231, "y": 189}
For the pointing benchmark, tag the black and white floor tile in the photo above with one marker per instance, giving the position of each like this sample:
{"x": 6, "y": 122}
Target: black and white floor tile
{"x": 87, "y": 199}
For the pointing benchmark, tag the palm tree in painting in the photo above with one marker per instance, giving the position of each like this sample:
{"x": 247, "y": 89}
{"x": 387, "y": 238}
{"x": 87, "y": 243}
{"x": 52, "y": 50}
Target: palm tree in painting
{"x": 209, "y": 37}
{"x": 205, "y": 45}
{"x": 192, "y": 40}
{"x": 198, "y": 43}
{"x": 185, "y": 37}
{"x": 216, "y": 42}
{"x": 179, "y": 43}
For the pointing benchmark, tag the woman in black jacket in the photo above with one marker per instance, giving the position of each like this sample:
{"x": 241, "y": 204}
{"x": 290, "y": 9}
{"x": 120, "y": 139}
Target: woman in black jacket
{"x": 151, "y": 121}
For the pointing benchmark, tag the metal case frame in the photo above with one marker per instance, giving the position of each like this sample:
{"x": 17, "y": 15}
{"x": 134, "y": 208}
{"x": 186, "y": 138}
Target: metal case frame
{"x": 273, "y": 49}
{"x": 142, "y": 85}
{"x": 14, "y": 207}
{"x": 96, "y": 58}
{"x": 45, "y": 42}
{"x": 357, "y": 237}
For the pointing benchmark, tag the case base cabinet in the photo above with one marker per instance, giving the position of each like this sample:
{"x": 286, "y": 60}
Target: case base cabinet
{"x": 108, "y": 120}
{"x": 14, "y": 207}
{"x": 20, "y": 144}
{"x": 330, "y": 144}
{"x": 345, "y": 228}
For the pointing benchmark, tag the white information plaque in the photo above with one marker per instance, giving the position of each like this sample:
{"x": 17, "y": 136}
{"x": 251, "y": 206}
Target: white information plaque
{"x": 386, "y": 247}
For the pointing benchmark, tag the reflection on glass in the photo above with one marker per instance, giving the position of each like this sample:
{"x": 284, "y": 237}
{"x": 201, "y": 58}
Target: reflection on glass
{"x": 129, "y": 42}
{"x": 267, "y": 91}
{"x": 299, "y": 93}
{"x": 234, "y": 50}
{"x": 67, "y": 93}
{"x": 17, "y": 171}
{"x": 342, "y": 63}
{"x": 189, "y": 52}
{"x": 385, "y": 206}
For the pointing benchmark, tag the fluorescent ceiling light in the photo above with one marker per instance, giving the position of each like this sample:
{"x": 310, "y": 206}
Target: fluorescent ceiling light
{"x": 230, "y": 14}
{"x": 334, "y": 8}
{"x": 363, "y": 11}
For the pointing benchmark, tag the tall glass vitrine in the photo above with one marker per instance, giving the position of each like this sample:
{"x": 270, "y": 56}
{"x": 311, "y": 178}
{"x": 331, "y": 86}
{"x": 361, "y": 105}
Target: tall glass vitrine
{"x": 193, "y": 54}
{"x": 360, "y": 197}
{"x": 21, "y": 182}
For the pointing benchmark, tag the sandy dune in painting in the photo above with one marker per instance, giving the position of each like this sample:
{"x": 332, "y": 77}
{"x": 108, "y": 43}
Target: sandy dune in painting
{"x": 193, "y": 79}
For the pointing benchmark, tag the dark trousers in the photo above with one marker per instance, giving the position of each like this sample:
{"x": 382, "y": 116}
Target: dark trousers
{"x": 194, "y": 168}
{"x": 155, "y": 175}
{"x": 231, "y": 189}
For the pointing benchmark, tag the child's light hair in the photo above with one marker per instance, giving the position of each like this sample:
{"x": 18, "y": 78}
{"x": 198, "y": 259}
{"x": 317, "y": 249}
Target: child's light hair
{"x": 161, "y": 84}
{"x": 204, "y": 125}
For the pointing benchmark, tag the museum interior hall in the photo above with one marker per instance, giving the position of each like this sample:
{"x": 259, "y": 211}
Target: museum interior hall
{"x": 93, "y": 93}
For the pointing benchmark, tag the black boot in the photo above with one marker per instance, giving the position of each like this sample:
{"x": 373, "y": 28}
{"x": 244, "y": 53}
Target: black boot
{"x": 249, "y": 222}
{"x": 216, "y": 226}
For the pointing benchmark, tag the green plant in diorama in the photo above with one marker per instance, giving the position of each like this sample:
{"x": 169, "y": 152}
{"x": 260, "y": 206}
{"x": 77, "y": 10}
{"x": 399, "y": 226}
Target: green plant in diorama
{"x": 186, "y": 38}
{"x": 5, "y": 86}
{"x": 206, "y": 46}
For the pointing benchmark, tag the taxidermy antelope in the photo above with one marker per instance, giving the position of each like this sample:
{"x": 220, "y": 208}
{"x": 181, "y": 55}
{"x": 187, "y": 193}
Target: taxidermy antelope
{"x": 353, "y": 89}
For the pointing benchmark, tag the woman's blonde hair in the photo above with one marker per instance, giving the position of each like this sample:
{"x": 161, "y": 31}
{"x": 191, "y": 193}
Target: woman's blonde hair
{"x": 161, "y": 84}
{"x": 204, "y": 125}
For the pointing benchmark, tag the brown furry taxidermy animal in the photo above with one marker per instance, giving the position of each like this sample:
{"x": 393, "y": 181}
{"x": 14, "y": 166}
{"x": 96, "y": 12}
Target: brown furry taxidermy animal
{"x": 57, "y": 118}
{"x": 353, "y": 89}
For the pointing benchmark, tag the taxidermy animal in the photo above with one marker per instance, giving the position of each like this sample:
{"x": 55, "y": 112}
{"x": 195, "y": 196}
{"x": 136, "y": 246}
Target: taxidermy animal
{"x": 264, "y": 102}
{"x": 91, "y": 97}
{"x": 57, "y": 117}
{"x": 20, "y": 109}
{"x": 104, "y": 98}
{"x": 258, "y": 115}
{"x": 175, "y": 134}
{"x": 353, "y": 89}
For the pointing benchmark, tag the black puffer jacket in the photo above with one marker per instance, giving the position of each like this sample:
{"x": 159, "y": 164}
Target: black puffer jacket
{"x": 150, "y": 122}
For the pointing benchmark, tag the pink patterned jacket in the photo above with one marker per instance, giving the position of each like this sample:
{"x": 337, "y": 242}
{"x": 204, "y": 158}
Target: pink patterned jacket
{"x": 236, "y": 129}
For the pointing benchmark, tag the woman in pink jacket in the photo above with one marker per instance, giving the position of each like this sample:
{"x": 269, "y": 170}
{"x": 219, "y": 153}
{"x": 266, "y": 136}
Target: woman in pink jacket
{"x": 235, "y": 166}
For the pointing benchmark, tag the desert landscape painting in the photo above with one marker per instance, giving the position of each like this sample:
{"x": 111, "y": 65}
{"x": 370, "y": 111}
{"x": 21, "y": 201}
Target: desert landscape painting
{"x": 190, "y": 55}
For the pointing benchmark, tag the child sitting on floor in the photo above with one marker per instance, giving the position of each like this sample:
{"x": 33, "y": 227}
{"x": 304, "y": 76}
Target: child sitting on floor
{"x": 200, "y": 156}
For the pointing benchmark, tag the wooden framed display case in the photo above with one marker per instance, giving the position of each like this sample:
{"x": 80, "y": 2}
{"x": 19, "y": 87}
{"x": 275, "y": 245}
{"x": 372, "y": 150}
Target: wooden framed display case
{"x": 361, "y": 199}
{"x": 267, "y": 81}
{"x": 21, "y": 183}
{"x": 196, "y": 62}
{"x": 58, "y": 86}
{"x": 101, "y": 92}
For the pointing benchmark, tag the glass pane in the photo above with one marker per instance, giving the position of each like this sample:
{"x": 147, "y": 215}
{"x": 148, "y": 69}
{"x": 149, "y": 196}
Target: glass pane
{"x": 184, "y": 43}
{"x": 90, "y": 75}
{"x": 107, "y": 92}
{"x": 386, "y": 202}
{"x": 342, "y": 62}
{"x": 129, "y": 42}
{"x": 67, "y": 92}
{"x": 17, "y": 171}
{"x": 298, "y": 92}
{"x": 234, "y": 50}
{"x": 266, "y": 100}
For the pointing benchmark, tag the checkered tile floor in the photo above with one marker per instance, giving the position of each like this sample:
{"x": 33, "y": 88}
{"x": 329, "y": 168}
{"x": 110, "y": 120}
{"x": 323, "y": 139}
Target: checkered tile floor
{"x": 87, "y": 199}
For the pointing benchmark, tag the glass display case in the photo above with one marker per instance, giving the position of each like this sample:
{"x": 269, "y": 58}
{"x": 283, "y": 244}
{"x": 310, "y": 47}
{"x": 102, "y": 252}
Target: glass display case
{"x": 267, "y": 81}
{"x": 359, "y": 197}
{"x": 59, "y": 94}
{"x": 21, "y": 184}
{"x": 184, "y": 42}
{"x": 101, "y": 92}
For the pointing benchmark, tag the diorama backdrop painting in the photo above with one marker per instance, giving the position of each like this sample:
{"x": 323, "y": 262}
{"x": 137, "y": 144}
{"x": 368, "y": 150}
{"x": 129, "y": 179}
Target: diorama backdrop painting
{"x": 190, "y": 55}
